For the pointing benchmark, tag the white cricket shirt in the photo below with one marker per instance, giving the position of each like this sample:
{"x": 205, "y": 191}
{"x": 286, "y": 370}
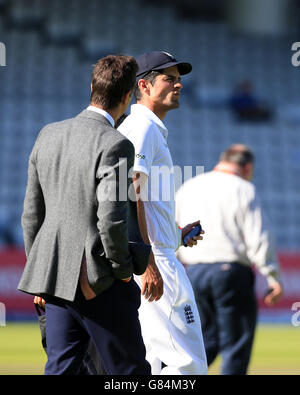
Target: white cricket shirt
{"x": 236, "y": 230}
{"x": 149, "y": 135}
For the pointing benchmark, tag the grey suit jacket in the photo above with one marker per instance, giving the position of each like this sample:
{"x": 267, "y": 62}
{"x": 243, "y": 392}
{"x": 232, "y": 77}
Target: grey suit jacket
{"x": 72, "y": 204}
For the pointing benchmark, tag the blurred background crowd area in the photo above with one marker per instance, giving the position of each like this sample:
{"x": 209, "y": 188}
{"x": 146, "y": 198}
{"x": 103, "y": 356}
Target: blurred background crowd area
{"x": 243, "y": 88}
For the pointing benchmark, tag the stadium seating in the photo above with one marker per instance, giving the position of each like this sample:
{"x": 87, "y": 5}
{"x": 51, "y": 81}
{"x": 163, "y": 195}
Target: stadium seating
{"x": 50, "y": 51}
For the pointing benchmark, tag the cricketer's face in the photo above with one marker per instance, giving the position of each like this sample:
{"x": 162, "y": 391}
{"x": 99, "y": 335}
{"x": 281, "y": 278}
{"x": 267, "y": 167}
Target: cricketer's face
{"x": 165, "y": 91}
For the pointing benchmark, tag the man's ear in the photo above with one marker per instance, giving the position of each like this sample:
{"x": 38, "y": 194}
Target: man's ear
{"x": 143, "y": 85}
{"x": 248, "y": 171}
{"x": 91, "y": 87}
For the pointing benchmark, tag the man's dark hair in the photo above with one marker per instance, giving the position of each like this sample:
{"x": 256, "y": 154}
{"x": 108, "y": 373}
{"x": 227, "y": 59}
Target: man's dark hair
{"x": 148, "y": 77}
{"x": 239, "y": 154}
{"x": 113, "y": 76}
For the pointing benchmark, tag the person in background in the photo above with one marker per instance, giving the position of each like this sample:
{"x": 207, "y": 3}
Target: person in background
{"x": 237, "y": 235}
{"x": 247, "y": 106}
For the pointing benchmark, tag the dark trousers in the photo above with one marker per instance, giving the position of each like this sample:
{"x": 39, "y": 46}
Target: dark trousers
{"x": 110, "y": 320}
{"x": 227, "y": 306}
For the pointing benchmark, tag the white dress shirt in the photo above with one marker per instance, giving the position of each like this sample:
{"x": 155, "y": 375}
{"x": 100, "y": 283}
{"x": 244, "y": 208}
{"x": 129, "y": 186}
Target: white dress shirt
{"x": 236, "y": 229}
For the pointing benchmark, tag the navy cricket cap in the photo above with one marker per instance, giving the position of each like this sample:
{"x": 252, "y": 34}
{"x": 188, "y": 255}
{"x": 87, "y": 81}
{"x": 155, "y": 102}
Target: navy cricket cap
{"x": 158, "y": 60}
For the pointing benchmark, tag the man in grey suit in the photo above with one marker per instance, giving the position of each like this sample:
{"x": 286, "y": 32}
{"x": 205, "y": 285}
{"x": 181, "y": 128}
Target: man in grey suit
{"x": 75, "y": 224}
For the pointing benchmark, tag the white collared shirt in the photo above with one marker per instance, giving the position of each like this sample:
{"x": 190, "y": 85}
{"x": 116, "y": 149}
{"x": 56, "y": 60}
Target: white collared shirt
{"x": 102, "y": 112}
{"x": 149, "y": 135}
{"x": 236, "y": 229}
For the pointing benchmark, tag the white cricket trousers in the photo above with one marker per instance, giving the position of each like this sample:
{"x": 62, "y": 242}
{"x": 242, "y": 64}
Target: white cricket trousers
{"x": 171, "y": 326}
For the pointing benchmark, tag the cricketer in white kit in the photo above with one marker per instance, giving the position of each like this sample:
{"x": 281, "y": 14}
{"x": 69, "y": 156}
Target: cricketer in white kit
{"x": 170, "y": 321}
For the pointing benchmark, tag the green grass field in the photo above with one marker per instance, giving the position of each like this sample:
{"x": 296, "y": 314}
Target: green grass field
{"x": 276, "y": 350}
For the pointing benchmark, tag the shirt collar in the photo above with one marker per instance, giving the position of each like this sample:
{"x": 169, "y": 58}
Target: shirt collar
{"x": 226, "y": 168}
{"x": 140, "y": 108}
{"x": 102, "y": 112}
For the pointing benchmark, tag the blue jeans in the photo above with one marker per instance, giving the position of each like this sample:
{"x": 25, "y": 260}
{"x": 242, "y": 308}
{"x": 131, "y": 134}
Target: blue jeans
{"x": 227, "y": 306}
